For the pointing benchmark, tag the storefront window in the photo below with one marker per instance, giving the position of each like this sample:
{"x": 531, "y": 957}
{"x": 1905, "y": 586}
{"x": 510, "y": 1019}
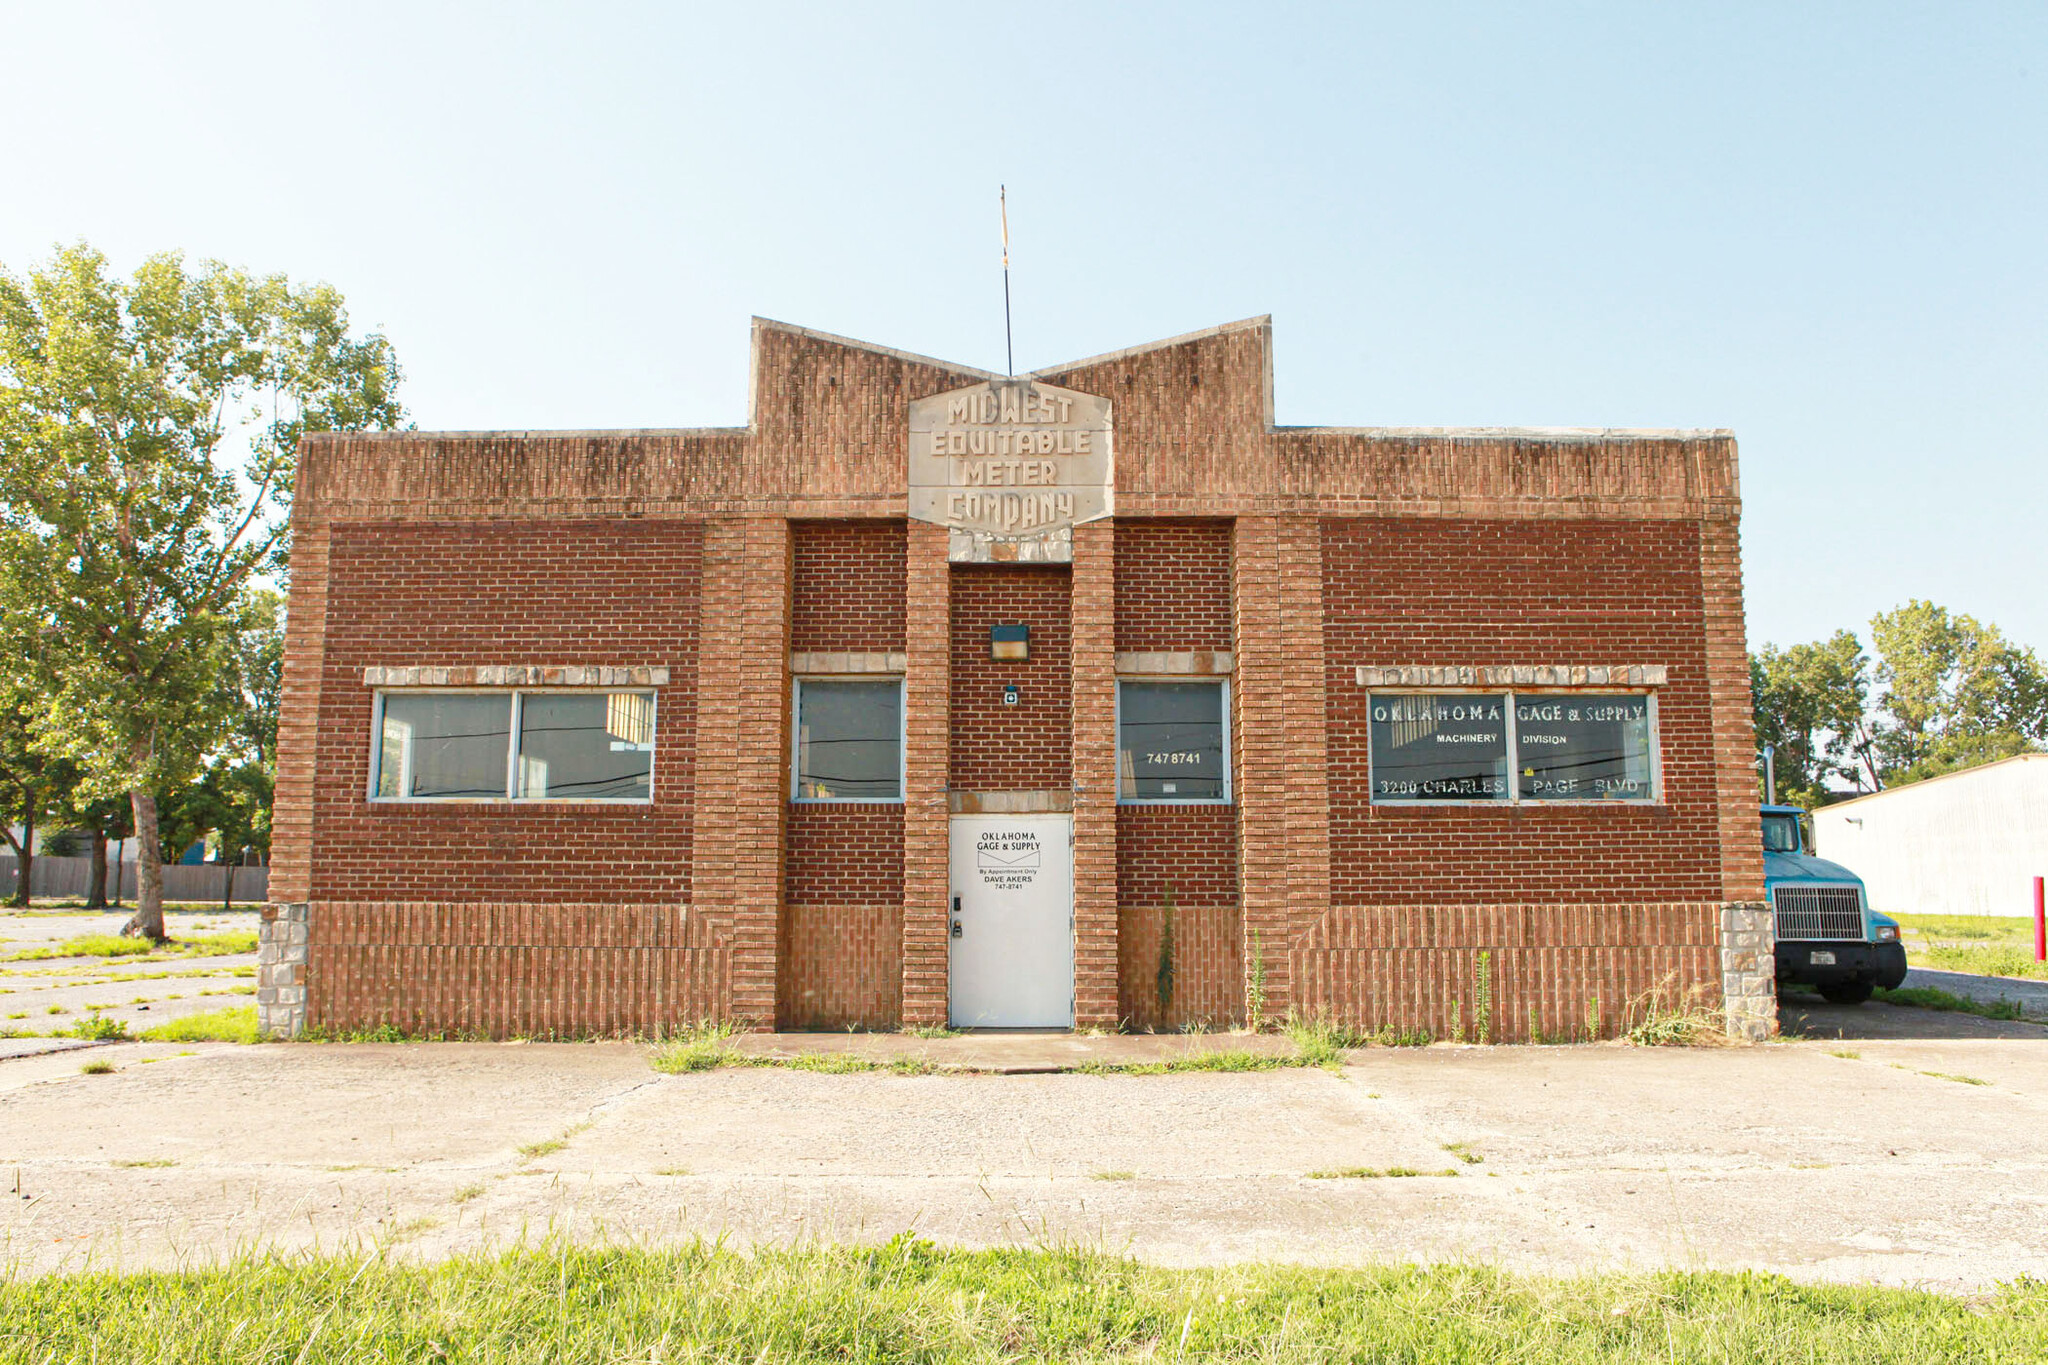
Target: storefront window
{"x": 1462, "y": 746}
{"x": 849, "y": 740}
{"x": 596, "y": 746}
{"x": 1583, "y": 748}
{"x": 1449, "y": 747}
{"x": 1172, "y": 741}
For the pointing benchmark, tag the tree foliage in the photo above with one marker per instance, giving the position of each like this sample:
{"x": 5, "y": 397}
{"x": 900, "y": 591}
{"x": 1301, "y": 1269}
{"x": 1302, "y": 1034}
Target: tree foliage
{"x": 148, "y": 429}
{"x": 1943, "y": 692}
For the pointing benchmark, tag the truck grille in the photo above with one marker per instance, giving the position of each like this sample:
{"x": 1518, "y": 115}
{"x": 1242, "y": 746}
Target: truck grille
{"x": 1819, "y": 912}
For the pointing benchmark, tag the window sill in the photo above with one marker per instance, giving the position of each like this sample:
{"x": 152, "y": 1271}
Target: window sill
{"x": 845, "y": 800}
{"x": 400, "y": 802}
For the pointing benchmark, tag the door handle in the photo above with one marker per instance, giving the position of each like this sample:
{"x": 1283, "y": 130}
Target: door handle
{"x": 956, "y": 917}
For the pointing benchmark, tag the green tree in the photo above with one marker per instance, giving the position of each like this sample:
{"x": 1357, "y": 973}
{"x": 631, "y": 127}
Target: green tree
{"x": 1810, "y": 702}
{"x": 148, "y": 429}
{"x": 1956, "y": 692}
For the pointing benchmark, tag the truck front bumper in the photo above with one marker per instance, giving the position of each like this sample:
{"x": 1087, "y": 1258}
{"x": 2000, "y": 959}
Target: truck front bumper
{"x": 1823, "y": 962}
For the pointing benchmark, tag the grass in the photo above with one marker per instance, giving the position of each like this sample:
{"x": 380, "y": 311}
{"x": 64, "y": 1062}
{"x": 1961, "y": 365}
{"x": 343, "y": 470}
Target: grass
{"x": 549, "y": 1146}
{"x": 1984, "y": 945}
{"x": 467, "y": 1193}
{"x": 98, "y": 1068}
{"x": 1371, "y": 1173}
{"x": 154, "y": 1161}
{"x": 236, "y": 1025}
{"x": 1957, "y": 1077}
{"x": 1463, "y": 1151}
{"x": 1662, "y": 1018}
{"x": 96, "y": 1027}
{"x": 1933, "y": 998}
{"x": 910, "y": 1301}
{"x": 1114, "y": 1175}
{"x": 116, "y": 945}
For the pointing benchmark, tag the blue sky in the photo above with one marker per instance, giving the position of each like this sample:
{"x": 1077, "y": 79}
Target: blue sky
{"x": 1822, "y": 226}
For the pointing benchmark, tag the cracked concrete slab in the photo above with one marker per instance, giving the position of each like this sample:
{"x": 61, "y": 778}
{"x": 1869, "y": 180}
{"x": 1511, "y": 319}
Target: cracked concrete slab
{"x": 1880, "y": 1160}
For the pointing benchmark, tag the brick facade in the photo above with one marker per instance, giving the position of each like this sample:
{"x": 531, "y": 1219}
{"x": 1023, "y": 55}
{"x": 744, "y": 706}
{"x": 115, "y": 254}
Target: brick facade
{"x": 1283, "y": 558}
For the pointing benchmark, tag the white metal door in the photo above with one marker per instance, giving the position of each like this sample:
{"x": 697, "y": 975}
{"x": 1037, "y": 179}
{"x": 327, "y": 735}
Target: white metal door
{"x": 1012, "y": 921}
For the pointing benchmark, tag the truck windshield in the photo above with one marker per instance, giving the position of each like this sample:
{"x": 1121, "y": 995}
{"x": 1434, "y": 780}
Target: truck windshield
{"x": 1781, "y": 834}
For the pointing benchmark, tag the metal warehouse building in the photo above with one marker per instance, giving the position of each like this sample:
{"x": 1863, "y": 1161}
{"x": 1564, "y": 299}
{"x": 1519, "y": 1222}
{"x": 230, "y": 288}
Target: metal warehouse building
{"x": 1085, "y": 699}
{"x": 1965, "y": 843}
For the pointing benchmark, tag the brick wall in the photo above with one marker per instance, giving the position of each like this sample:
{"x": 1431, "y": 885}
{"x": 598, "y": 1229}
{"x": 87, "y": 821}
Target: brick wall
{"x": 1191, "y": 850}
{"x": 1029, "y": 746}
{"x": 1415, "y": 590}
{"x": 1547, "y": 967}
{"x": 840, "y": 962}
{"x": 1172, "y": 585}
{"x": 846, "y": 585}
{"x": 544, "y": 592}
{"x": 514, "y": 969}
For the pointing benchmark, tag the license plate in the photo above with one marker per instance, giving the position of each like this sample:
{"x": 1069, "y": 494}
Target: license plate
{"x": 1820, "y": 959}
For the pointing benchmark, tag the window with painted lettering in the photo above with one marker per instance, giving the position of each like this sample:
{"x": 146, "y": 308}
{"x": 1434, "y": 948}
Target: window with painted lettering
{"x": 1512, "y": 746}
{"x": 1583, "y": 747}
{"x": 513, "y": 746}
{"x": 849, "y": 740}
{"x": 1173, "y": 741}
{"x": 1439, "y": 747}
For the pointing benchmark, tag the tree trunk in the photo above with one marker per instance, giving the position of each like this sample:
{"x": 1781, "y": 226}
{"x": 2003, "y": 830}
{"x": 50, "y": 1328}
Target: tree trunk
{"x": 25, "y": 856}
{"x": 227, "y": 895}
{"x": 148, "y": 919}
{"x": 96, "y": 898}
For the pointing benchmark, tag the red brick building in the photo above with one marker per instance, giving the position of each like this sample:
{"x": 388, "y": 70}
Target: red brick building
{"x": 1089, "y": 698}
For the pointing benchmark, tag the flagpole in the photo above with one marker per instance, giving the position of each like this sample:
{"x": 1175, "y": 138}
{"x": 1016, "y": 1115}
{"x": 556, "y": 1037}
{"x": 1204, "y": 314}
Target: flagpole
{"x": 1009, "y": 352}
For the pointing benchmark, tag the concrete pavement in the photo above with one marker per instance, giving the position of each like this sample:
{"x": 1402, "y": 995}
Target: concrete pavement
{"x": 1902, "y": 1160}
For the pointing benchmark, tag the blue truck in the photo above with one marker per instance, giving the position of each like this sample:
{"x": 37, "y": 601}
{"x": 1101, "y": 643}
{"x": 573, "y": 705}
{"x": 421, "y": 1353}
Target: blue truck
{"x": 1828, "y": 936}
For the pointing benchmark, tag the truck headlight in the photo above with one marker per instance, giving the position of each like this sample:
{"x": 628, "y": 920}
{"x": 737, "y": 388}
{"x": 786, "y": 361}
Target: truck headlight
{"x": 1887, "y": 932}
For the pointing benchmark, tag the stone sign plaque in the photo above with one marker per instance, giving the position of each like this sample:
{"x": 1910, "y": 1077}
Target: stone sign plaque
{"x": 1010, "y": 467}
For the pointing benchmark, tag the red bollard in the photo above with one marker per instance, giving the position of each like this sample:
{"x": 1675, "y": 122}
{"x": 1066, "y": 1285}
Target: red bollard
{"x": 2040, "y": 922}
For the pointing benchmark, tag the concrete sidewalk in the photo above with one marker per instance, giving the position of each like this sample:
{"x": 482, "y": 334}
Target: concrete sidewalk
{"x": 1903, "y": 1161}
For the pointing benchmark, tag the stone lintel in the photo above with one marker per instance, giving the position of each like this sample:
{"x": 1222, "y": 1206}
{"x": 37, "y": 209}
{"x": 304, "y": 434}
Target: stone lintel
{"x": 1051, "y": 802}
{"x": 1514, "y": 675}
{"x": 1190, "y": 662}
{"x": 520, "y": 675}
{"x": 979, "y": 547}
{"x": 849, "y": 661}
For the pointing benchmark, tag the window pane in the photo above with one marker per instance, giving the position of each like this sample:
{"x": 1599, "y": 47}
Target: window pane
{"x": 591, "y": 745}
{"x": 849, "y": 738}
{"x": 449, "y": 745}
{"x": 1169, "y": 743}
{"x": 1583, "y": 748}
{"x": 1452, "y": 747}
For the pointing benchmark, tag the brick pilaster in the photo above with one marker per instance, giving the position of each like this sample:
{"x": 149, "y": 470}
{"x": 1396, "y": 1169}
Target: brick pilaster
{"x": 1262, "y": 758}
{"x": 1093, "y": 621}
{"x": 742, "y": 748}
{"x": 927, "y": 689}
{"x": 298, "y": 728}
{"x": 1742, "y": 859}
{"x": 1306, "y": 724}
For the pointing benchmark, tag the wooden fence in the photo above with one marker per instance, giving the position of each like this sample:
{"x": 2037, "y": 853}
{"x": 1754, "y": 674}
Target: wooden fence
{"x": 69, "y": 878}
